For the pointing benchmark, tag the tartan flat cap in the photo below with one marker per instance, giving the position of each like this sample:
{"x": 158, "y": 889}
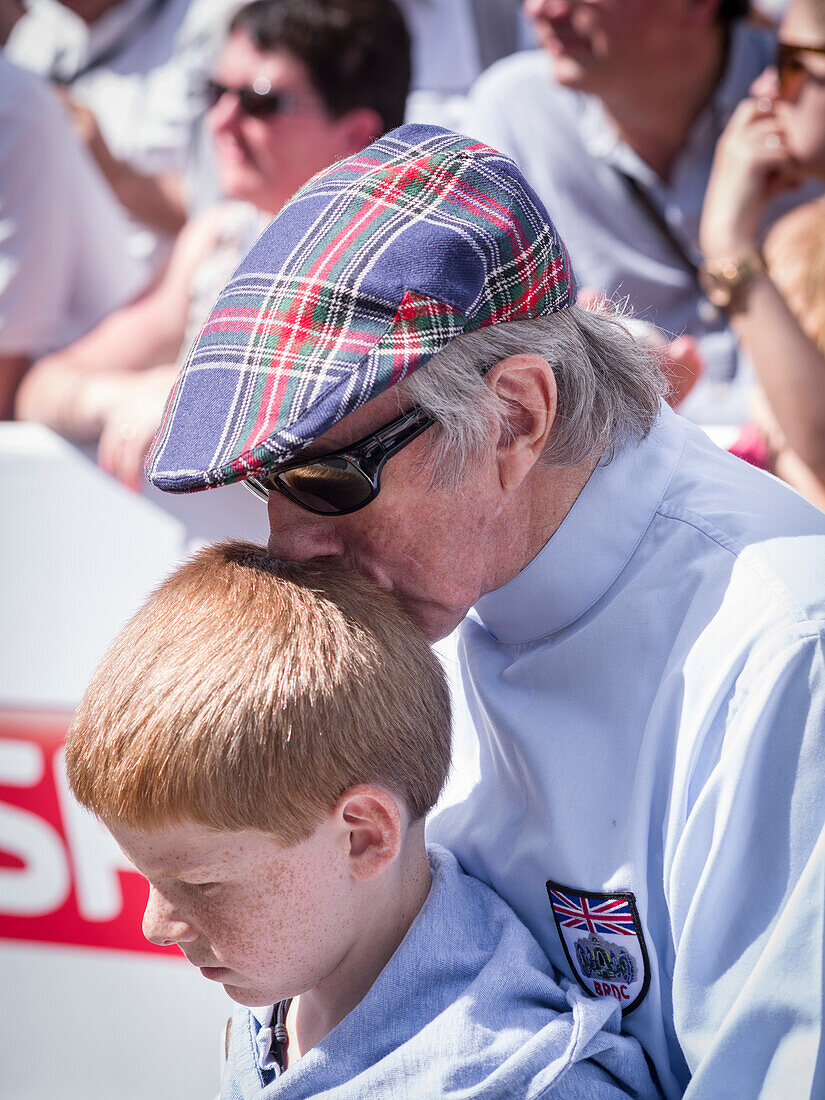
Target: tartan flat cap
{"x": 369, "y": 270}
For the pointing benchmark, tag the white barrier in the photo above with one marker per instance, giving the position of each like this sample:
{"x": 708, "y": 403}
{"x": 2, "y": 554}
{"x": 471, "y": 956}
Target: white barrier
{"x": 88, "y": 1010}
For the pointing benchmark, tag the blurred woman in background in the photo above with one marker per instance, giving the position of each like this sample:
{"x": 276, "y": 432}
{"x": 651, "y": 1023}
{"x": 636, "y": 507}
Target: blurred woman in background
{"x": 775, "y": 141}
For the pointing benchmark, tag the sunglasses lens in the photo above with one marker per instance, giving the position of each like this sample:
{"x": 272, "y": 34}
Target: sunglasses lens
{"x": 790, "y": 81}
{"x": 214, "y": 92}
{"x": 331, "y": 486}
{"x": 790, "y": 70}
{"x": 252, "y": 103}
{"x": 259, "y": 106}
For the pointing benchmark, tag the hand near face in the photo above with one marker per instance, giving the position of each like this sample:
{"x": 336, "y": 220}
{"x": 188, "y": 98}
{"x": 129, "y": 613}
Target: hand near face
{"x": 751, "y": 166}
{"x": 131, "y": 422}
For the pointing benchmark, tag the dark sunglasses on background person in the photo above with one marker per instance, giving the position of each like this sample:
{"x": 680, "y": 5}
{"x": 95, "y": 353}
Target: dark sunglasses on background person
{"x": 791, "y": 70}
{"x": 262, "y": 103}
{"x": 341, "y": 482}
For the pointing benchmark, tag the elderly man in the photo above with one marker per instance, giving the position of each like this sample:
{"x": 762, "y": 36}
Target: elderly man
{"x": 399, "y": 368}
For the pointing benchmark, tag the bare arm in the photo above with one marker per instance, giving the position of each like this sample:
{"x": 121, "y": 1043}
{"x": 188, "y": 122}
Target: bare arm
{"x": 790, "y": 369}
{"x": 791, "y": 469}
{"x": 12, "y": 368}
{"x": 73, "y": 390}
{"x": 155, "y": 200}
{"x": 131, "y": 422}
{"x": 750, "y": 164}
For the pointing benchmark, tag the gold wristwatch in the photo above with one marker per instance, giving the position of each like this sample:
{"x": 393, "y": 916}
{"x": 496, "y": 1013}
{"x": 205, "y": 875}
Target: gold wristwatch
{"x": 724, "y": 280}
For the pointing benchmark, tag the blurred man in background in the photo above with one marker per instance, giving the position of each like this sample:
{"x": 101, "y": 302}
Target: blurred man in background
{"x": 614, "y": 122}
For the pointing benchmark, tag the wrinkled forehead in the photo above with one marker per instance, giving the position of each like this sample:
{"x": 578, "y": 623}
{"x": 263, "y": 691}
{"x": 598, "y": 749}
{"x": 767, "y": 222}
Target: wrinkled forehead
{"x": 353, "y": 427}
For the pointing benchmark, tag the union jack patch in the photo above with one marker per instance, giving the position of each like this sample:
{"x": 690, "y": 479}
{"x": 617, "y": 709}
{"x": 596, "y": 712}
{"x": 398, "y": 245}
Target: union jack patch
{"x": 603, "y": 940}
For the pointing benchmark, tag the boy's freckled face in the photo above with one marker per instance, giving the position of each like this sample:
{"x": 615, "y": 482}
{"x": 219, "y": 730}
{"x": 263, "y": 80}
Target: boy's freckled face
{"x": 266, "y": 921}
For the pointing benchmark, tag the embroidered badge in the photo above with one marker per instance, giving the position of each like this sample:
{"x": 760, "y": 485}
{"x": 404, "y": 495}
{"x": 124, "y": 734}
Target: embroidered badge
{"x": 603, "y": 940}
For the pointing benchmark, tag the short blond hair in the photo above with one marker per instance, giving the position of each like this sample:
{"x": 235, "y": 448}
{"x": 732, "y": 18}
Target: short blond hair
{"x": 249, "y": 693}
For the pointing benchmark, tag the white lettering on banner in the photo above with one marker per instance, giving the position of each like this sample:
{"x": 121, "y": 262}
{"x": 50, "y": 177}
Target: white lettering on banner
{"x": 96, "y": 857}
{"x": 43, "y": 884}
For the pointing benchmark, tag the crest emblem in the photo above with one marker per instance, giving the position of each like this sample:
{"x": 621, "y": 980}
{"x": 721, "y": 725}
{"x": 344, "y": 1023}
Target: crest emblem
{"x": 603, "y": 940}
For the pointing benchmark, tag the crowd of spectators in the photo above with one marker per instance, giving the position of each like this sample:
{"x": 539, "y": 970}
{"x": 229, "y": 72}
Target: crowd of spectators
{"x": 320, "y": 79}
{"x": 144, "y": 144}
{"x": 679, "y": 145}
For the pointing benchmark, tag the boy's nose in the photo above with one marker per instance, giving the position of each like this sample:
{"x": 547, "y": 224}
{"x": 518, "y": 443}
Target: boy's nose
{"x": 163, "y": 924}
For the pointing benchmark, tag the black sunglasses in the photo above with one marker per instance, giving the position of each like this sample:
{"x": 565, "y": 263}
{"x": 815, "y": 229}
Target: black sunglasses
{"x": 256, "y": 104}
{"x": 790, "y": 69}
{"x": 341, "y": 482}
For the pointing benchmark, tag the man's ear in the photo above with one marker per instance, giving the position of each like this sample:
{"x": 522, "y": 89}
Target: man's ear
{"x": 358, "y": 128}
{"x": 373, "y": 830}
{"x": 527, "y": 386}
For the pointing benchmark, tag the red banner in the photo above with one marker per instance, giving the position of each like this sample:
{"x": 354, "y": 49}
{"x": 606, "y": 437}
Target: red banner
{"x": 62, "y": 877}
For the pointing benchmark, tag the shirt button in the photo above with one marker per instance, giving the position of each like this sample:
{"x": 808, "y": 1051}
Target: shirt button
{"x": 708, "y": 312}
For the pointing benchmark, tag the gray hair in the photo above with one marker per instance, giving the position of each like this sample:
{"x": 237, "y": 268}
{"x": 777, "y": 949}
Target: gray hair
{"x": 609, "y": 383}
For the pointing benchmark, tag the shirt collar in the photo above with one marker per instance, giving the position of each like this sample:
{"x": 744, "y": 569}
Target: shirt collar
{"x": 118, "y": 24}
{"x": 593, "y": 544}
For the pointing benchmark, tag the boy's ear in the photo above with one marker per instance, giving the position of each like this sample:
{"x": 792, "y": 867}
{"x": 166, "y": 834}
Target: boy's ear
{"x": 527, "y": 386}
{"x": 374, "y": 830}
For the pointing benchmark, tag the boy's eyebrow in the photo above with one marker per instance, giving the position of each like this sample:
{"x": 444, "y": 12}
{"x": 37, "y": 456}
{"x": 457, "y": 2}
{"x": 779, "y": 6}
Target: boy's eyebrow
{"x": 174, "y": 868}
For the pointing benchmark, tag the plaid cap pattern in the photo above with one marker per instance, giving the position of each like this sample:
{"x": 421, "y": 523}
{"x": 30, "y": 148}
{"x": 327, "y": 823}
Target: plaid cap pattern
{"x": 370, "y": 270}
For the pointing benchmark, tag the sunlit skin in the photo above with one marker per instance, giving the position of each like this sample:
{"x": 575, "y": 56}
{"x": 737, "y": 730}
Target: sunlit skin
{"x": 438, "y": 550}
{"x": 266, "y": 160}
{"x": 774, "y": 141}
{"x": 316, "y": 921}
{"x": 594, "y": 42}
{"x": 652, "y": 63}
{"x": 771, "y": 144}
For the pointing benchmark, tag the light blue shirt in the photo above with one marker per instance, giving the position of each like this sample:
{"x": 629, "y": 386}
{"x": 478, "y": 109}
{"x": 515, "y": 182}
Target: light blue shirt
{"x": 649, "y": 693}
{"x": 468, "y": 1007}
{"x": 570, "y": 153}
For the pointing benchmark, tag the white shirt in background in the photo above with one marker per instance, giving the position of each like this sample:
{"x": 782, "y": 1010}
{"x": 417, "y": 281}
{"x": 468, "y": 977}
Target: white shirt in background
{"x": 140, "y": 68}
{"x": 64, "y": 251}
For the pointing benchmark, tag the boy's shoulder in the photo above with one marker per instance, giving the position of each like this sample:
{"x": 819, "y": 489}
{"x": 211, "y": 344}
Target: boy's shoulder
{"x": 468, "y": 999}
{"x": 481, "y": 930}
